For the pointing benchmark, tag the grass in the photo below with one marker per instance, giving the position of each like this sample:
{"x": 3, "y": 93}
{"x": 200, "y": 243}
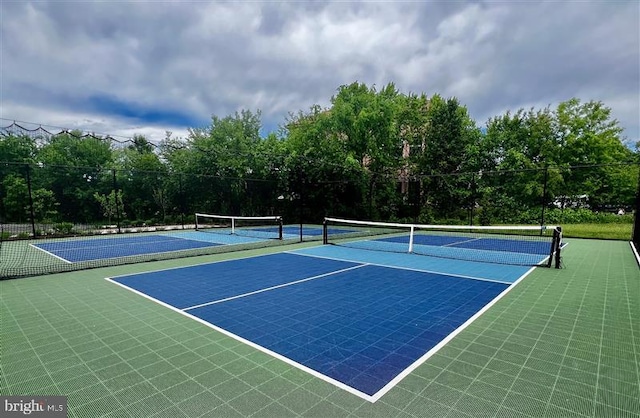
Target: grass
{"x": 621, "y": 231}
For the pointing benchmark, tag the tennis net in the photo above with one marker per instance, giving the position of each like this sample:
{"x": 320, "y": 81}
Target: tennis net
{"x": 515, "y": 245}
{"x": 264, "y": 227}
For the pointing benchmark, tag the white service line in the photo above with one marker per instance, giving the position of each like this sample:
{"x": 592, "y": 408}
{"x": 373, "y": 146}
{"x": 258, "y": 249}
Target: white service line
{"x": 273, "y": 287}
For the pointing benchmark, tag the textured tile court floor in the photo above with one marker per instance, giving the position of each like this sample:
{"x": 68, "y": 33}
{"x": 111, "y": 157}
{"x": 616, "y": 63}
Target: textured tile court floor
{"x": 561, "y": 343}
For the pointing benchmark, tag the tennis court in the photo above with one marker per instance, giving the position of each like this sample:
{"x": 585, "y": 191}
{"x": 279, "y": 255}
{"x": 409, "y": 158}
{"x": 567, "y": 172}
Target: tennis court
{"x": 92, "y": 249}
{"x": 337, "y": 313}
{"x": 331, "y": 330}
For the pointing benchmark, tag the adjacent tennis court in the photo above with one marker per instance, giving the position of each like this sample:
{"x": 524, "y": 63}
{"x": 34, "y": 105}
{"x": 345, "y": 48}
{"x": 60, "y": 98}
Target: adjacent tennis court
{"x": 96, "y": 248}
{"x": 337, "y": 313}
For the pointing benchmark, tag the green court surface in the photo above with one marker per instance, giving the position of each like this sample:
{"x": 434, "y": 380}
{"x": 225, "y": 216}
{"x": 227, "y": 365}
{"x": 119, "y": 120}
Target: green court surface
{"x": 561, "y": 343}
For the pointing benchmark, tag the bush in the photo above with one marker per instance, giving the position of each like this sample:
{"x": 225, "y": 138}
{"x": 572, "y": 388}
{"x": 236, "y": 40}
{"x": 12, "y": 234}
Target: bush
{"x": 63, "y": 228}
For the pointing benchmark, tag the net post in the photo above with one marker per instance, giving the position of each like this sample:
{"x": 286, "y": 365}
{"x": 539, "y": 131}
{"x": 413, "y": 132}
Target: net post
{"x": 280, "y": 235}
{"x": 197, "y": 221}
{"x": 558, "y": 245}
{"x": 233, "y": 226}
{"x": 411, "y": 238}
{"x": 325, "y": 237}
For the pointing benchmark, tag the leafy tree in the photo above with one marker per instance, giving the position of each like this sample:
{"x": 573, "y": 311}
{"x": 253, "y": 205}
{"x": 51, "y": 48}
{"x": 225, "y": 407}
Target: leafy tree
{"x": 589, "y": 136}
{"x": 219, "y": 160}
{"x": 17, "y": 148}
{"x": 450, "y": 147}
{"x": 354, "y": 142}
{"x": 44, "y": 206}
{"x": 112, "y": 204}
{"x": 17, "y": 204}
{"x": 75, "y": 168}
{"x": 16, "y": 198}
{"x": 140, "y": 172}
{"x": 516, "y": 152}
{"x": 319, "y": 167}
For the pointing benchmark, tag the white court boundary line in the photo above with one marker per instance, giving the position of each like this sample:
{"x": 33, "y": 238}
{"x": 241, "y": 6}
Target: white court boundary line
{"x": 265, "y": 350}
{"x": 51, "y": 254}
{"x": 445, "y": 340}
{"x": 122, "y": 245}
{"x": 274, "y": 287}
{"x": 635, "y": 252}
{"x": 392, "y": 383}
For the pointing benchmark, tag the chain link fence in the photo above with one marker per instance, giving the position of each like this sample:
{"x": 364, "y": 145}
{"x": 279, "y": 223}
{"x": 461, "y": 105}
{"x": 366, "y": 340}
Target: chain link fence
{"x": 41, "y": 202}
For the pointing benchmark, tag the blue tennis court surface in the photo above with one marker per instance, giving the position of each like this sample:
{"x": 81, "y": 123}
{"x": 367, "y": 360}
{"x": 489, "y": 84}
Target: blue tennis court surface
{"x": 485, "y": 243}
{"x": 90, "y": 249}
{"x": 516, "y": 251}
{"x": 78, "y": 250}
{"x": 335, "y": 312}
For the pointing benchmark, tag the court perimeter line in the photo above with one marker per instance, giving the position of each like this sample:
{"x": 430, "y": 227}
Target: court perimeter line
{"x": 444, "y": 341}
{"x": 635, "y": 252}
{"x": 370, "y": 398}
{"x": 175, "y": 235}
{"x": 287, "y": 360}
{"x": 462, "y": 276}
{"x": 274, "y": 287}
{"x": 459, "y": 242}
{"x": 51, "y": 254}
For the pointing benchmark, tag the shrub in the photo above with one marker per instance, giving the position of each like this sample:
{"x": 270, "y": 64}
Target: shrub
{"x": 63, "y": 228}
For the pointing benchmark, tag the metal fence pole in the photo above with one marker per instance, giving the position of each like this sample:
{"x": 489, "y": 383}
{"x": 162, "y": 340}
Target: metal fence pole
{"x": 473, "y": 198}
{"x": 544, "y": 194}
{"x": 115, "y": 198}
{"x": 31, "y": 211}
{"x": 181, "y": 198}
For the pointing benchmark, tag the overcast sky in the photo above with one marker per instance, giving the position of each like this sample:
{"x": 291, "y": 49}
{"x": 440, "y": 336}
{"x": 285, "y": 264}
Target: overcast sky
{"x": 119, "y": 68}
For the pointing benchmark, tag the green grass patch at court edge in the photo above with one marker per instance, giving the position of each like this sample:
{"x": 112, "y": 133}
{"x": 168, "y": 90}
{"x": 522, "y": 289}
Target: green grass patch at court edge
{"x": 621, "y": 231}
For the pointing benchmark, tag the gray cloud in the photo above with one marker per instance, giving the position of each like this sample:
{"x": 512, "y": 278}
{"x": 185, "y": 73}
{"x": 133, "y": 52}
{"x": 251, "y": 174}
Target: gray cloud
{"x": 205, "y": 58}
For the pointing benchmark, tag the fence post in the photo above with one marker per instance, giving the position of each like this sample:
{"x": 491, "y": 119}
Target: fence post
{"x": 31, "y": 211}
{"x": 473, "y": 198}
{"x": 544, "y": 194}
{"x": 181, "y": 198}
{"x": 115, "y": 197}
{"x": 301, "y": 202}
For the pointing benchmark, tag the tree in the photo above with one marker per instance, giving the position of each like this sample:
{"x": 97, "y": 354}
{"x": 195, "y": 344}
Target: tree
{"x": 589, "y": 136}
{"x": 450, "y": 147}
{"x": 74, "y": 168}
{"x": 219, "y": 159}
{"x": 516, "y": 152}
{"x": 112, "y": 204}
{"x": 17, "y": 149}
{"x": 44, "y": 206}
{"x": 319, "y": 167}
{"x": 16, "y": 201}
{"x": 140, "y": 171}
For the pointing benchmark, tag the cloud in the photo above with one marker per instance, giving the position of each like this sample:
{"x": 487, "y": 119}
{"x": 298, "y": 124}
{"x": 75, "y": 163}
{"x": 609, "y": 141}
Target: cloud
{"x": 163, "y": 65}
